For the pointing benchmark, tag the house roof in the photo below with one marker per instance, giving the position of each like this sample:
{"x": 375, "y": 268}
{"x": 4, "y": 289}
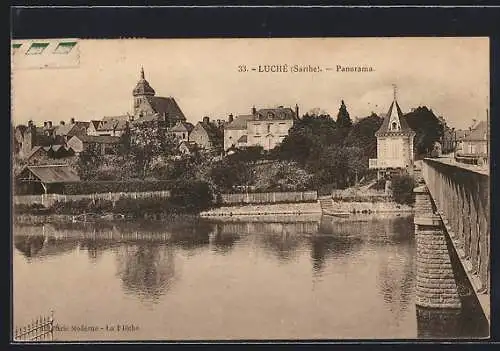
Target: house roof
{"x": 213, "y": 132}
{"x": 72, "y": 128}
{"x": 54, "y": 173}
{"x": 243, "y": 139}
{"x": 167, "y": 106}
{"x": 182, "y": 127}
{"x": 98, "y": 139}
{"x": 116, "y": 118}
{"x": 142, "y": 87}
{"x": 239, "y": 122}
{"x": 479, "y": 133}
{"x": 95, "y": 124}
{"x": 33, "y": 151}
{"x": 394, "y": 112}
{"x": 278, "y": 113}
{"x": 187, "y": 144}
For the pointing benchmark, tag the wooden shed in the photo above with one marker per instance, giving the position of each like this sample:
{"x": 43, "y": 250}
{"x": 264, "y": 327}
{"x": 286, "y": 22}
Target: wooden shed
{"x": 44, "y": 179}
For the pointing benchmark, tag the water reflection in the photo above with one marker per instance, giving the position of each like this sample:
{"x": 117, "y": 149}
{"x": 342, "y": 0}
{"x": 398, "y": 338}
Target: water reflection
{"x": 222, "y": 239}
{"x": 146, "y": 270}
{"x": 144, "y": 260}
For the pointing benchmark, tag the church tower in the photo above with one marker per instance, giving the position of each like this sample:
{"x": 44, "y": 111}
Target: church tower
{"x": 142, "y": 93}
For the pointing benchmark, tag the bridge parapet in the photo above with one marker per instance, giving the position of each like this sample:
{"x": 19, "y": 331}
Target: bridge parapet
{"x": 461, "y": 196}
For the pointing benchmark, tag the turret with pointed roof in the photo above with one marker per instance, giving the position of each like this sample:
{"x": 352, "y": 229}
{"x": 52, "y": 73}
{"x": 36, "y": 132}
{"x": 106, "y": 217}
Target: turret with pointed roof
{"x": 394, "y": 142}
{"x": 394, "y": 122}
{"x": 142, "y": 87}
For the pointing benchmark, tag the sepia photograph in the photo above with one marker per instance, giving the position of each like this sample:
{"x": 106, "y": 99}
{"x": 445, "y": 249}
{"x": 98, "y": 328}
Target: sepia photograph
{"x": 250, "y": 189}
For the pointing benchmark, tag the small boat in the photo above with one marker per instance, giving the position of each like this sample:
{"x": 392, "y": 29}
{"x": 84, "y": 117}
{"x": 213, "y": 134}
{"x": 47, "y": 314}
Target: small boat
{"x": 95, "y": 217}
{"x": 112, "y": 216}
{"x": 86, "y": 217}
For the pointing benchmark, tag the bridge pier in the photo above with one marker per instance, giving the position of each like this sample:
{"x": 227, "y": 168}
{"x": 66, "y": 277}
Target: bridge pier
{"x": 436, "y": 286}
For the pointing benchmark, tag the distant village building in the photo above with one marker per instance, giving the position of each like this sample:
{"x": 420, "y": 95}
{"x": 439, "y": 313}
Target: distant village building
{"x": 104, "y": 144}
{"x": 148, "y": 108}
{"x": 207, "y": 135}
{"x": 109, "y": 126}
{"x": 182, "y": 130}
{"x": 394, "y": 143}
{"x": 474, "y": 145}
{"x": 265, "y": 127}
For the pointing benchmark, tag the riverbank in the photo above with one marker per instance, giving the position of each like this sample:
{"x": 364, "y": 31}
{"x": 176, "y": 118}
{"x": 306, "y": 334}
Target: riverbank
{"x": 366, "y": 207}
{"x": 38, "y": 219}
{"x": 268, "y": 210}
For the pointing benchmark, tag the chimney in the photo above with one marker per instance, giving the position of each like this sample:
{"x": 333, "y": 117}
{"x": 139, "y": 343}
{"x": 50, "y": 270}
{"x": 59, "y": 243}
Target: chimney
{"x": 61, "y": 123}
{"x": 49, "y": 124}
{"x": 297, "y": 111}
{"x": 254, "y": 110}
{"x": 206, "y": 119}
{"x": 72, "y": 120}
{"x": 230, "y": 118}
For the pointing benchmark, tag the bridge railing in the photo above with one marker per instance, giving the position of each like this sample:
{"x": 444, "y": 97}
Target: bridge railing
{"x": 461, "y": 196}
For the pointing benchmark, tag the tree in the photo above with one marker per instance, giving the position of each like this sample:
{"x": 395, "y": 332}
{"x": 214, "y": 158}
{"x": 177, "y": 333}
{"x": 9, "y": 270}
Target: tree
{"x": 402, "y": 189}
{"x": 150, "y": 144}
{"x": 88, "y": 163}
{"x": 362, "y": 135}
{"x": 343, "y": 119}
{"x": 428, "y": 129}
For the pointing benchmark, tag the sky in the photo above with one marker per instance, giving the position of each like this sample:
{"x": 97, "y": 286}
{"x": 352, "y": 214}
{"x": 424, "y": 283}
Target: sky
{"x": 448, "y": 75}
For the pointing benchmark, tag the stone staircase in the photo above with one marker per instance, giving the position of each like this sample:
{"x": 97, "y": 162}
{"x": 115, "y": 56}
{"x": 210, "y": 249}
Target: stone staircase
{"x": 326, "y": 204}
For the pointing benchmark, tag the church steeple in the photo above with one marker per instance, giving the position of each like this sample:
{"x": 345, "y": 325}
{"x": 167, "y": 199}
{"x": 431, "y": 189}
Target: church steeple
{"x": 142, "y": 87}
{"x": 394, "y": 111}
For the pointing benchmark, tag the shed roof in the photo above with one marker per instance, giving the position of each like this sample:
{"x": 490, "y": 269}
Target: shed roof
{"x": 53, "y": 173}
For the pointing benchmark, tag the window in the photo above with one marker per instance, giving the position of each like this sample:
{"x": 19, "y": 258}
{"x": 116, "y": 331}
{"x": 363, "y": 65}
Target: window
{"x": 394, "y": 125}
{"x": 65, "y": 47}
{"x": 37, "y": 48}
{"x": 256, "y": 128}
{"x": 269, "y": 128}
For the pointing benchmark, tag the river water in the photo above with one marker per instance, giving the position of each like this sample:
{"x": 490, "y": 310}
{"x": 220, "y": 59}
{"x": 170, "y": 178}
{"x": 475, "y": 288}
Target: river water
{"x": 313, "y": 278}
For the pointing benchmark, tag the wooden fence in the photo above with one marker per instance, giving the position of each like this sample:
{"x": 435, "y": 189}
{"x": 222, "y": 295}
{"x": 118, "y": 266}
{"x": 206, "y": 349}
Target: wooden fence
{"x": 49, "y": 199}
{"x": 275, "y": 197}
{"x": 41, "y": 329}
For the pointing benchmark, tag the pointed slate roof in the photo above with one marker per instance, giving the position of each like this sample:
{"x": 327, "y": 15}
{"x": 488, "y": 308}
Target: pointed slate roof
{"x": 142, "y": 87}
{"x": 394, "y": 115}
{"x": 168, "y": 106}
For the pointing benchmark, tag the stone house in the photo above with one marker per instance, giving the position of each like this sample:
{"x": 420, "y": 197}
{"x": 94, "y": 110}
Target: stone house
{"x": 105, "y": 144}
{"x": 268, "y": 127}
{"x": 182, "y": 130}
{"x": 207, "y": 135}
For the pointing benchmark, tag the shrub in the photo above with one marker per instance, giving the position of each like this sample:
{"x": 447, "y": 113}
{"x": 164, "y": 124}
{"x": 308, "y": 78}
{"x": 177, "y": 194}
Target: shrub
{"x": 91, "y": 187}
{"x": 379, "y": 185}
{"x": 402, "y": 189}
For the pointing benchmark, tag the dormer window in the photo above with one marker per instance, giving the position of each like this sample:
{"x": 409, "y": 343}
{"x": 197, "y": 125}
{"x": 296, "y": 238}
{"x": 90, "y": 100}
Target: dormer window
{"x": 270, "y": 115}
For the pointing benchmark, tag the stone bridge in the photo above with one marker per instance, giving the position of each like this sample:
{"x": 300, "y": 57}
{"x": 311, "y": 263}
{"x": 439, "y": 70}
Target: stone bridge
{"x": 452, "y": 228}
